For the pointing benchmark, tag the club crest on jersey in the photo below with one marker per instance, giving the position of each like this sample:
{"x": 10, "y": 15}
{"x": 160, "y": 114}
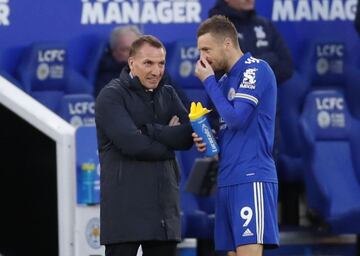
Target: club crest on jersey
{"x": 231, "y": 94}
{"x": 249, "y": 80}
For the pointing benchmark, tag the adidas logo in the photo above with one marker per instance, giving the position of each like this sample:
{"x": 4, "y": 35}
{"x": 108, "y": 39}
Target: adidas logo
{"x": 247, "y": 232}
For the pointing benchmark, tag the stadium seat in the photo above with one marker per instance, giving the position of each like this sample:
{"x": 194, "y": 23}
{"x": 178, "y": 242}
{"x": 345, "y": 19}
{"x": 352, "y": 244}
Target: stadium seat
{"x": 44, "y": 67}
{"x": 331, "y": 138}
{"x": 181, "y": 60}
{"x": 85, "y": 53}
{"x": 291, "y": 95}
{"x": 330, "y": 62}
{"x": 78, "y": 109}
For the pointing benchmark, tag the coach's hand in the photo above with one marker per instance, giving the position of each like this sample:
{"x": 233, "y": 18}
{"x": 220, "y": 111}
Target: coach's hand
{"x": 201, "y": 147}
{"x": 203, "y": 69}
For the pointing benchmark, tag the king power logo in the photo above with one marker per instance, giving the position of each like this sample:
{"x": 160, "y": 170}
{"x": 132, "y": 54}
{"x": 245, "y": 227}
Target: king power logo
{"x": 314, "y": 10}
{"x": 4, "y": 13}
{"x": 140, "y": 11}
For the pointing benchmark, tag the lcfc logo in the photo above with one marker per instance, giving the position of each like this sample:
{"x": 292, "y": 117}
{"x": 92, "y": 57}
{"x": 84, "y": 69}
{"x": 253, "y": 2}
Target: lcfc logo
{"x": 4, "y": 13}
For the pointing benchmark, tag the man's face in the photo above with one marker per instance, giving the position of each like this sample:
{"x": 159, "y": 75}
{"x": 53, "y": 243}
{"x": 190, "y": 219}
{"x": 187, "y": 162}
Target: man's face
{"x": 148, "y": 64}
{"x": 213, "y": 50}
{"x": 241, "y": 5}
{"x": 122, "y": 49}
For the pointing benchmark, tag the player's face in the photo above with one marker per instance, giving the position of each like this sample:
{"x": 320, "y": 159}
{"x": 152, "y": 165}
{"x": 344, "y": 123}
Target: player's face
{"x": 213, "y": 50}
{"x": 241, "y": 5}
{"x": 148, "y": 65}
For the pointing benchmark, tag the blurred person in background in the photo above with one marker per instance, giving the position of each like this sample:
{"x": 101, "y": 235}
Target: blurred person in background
{"x": 115, "y": 55}
{"x": 257, "y": 35}
{"x": 140, "y": 122}
{"x": 357, "y": 18}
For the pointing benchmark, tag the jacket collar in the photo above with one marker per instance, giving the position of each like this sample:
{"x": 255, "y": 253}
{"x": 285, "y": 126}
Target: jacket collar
{"x": 133, "y": 82}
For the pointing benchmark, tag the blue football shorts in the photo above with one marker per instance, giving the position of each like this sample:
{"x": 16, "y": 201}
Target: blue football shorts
{"x": 246, "y": 214}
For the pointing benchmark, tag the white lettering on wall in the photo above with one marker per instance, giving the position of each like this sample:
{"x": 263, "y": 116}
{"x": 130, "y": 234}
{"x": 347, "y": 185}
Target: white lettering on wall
{"x": 313, "y": 10}
{"x": 155, "y": 11}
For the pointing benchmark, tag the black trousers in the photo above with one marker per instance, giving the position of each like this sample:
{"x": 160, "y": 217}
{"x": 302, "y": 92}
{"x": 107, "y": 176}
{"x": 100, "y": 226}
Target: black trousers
{"x": 149, "y": 248}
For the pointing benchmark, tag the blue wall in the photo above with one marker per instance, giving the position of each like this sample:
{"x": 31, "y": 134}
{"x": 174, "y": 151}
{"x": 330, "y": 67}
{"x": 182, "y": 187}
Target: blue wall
{"x": 22, "y": 22}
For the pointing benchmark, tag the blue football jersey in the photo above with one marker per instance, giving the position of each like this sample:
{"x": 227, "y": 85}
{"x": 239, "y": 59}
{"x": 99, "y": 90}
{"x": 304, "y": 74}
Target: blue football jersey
{"x": 246, "y": 149}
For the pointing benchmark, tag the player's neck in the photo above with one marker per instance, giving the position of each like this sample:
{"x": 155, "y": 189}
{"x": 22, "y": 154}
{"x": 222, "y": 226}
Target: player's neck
{"x": 233, "y": 58}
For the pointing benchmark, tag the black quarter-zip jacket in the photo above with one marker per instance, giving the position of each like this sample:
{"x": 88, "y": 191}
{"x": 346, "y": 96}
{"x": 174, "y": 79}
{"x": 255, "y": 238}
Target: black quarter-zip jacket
{"x": 139, "y": 174}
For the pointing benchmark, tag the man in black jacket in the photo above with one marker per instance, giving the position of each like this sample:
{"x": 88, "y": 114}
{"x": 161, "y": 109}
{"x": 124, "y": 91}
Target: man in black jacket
{"x": 140, "y": 122}
{"x": 115, "y": 58}
{"x": 257, "y": 35}
{"x": 357, "y": 18}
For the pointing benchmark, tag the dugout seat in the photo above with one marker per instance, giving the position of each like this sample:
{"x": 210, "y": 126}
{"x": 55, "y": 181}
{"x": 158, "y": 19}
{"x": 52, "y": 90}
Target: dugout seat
{"x": 291, "y": 95}
{"x": 44, "y": 73}
{"x": 332, "y": 148}
{"x": 181, "y": 60}
{"x": 78, "y": 109}
{"x": 330, "y": 62}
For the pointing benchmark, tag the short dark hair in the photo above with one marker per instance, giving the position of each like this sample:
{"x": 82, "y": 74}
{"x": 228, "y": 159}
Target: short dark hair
{"x": 219, "y": 25}
{"x": 145, "y": 39}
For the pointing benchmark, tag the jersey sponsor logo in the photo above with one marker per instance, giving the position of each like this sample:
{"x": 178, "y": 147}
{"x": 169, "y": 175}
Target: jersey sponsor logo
{"x": 249, "y": 80}
{"x": 313, "y": 10}
{"x": 140, "y": 11}
{"x": 4, "y": 13}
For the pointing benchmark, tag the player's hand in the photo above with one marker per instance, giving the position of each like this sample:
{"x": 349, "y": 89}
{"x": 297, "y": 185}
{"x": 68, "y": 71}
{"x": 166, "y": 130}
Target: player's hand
{"x": 203, "y": 69}
{"x": 175, "y": 121}
{"x": 201, "y": 147}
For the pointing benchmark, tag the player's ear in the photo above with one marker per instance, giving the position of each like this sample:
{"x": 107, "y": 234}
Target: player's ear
{"x": 131, "y": 62}
{"x": 227, "y": 42}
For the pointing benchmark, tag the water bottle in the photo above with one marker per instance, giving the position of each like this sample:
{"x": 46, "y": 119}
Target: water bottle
{"x": 88, "y": 176}
{"x": 202, "y": 128}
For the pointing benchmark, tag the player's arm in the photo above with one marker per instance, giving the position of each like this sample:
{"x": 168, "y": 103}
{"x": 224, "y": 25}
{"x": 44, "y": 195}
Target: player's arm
{"x": 235, "y": 115}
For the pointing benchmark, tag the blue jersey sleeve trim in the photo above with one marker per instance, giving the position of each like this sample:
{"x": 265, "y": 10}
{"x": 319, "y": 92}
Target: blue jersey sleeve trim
{"x": 248, "y": 97}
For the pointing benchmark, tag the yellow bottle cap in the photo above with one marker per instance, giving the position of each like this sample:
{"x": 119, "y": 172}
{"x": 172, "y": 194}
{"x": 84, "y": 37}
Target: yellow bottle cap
{"x": 197, "y": 110}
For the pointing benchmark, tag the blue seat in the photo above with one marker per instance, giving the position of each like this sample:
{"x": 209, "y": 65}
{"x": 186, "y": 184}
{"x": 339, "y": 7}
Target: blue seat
{"x": 85, "y": 53}
{"x": 78, "y": 109}
{"x": 331, "y": 62}
{"x": 331, "y": 137}
{"x": 291, "y": 95}
{"x": 44, "y": 68}
{"x": 51, "y": 99}
{"x": 181, "y": 60}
